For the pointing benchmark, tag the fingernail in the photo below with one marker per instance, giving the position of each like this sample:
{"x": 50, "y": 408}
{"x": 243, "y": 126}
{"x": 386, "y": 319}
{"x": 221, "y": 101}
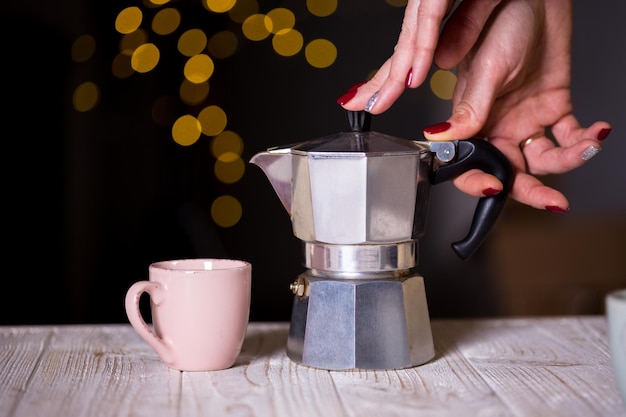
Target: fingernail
{"x": 602, "y": 134}
{"x": 370, "y": 103}
{"x": 488, "y": 192}
{"x": 589, "y": 153}
{"x": 438, "y": 128}
{"x": 409, "y": 78}
{"x": 349, "y": 95}
{"x": 557, "y": 209}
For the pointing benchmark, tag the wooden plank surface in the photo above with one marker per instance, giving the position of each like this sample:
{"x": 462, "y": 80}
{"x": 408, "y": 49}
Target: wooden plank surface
{"x": 495, "y": 367}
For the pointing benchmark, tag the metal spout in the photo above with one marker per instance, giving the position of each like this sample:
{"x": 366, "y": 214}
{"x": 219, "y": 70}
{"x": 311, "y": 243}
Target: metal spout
{"x": 276, "y": 164}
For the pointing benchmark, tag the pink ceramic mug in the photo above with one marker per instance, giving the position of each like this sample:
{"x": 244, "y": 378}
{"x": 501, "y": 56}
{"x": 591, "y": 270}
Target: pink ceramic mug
{"x": 200, "y": 310}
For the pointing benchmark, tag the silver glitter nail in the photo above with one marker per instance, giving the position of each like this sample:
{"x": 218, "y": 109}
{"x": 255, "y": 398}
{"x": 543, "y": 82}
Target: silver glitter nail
{"x": 589, "y": 153}
{"x": 371, "y": 102}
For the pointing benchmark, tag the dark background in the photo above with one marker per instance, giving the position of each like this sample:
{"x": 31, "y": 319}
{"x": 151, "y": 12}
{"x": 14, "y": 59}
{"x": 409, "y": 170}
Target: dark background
{"x": 91, "y": 199}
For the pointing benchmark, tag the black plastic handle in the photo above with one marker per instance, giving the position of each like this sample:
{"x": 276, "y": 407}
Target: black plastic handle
{"x": 477, "y": 153}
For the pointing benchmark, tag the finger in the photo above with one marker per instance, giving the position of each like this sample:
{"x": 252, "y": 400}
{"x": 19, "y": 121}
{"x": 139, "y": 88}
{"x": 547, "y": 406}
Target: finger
{"x": 462, "y": 30}
{"x": 478, "y": 183}
{"x": 424, "y": 37}
{"x": 567, "y": 131}
{"x": 474, "y": 96}
{"x": 543, "y": 157}
{"x": 356, "y": 98}
{"x": 528, "y": 190}
{"x": 413, "y": 54}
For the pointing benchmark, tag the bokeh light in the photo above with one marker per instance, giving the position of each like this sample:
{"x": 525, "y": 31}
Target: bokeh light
{"x": 86, "y": 96}
{"x": 223, "y": 44}
{"x": 145, "y": 57}
{"x": 229, "y": 168}
{"x": 219, "y": 6}
{"x": 320, "y": 53}
{"x": 442, "y": 84}
{"x": 255, "y": 27}
{"x": 226, "y": 211}
{"x": 186, "y": 130}
{"x": 128, "y": 20}
{"x": 321, "y": 8}
{"x": 132, "y": 41}
{"x": 287, "y": 42}
{"x": 121, "y": 66}
{"x": 166, "y": 21}
{"x": 242, "y": 10}
{"x": 193, "y": 93}
{"x": 192, "y": 42}
{"x": 280, "y": 19}
{"x": 213, "y": 120}
{"x": 83, "y": 48}
{"x": 199, "y": 68}
{"x": 225, "y": 142}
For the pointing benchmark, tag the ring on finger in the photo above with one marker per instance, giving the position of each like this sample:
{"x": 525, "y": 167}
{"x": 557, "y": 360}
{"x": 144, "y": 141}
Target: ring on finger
{"x": 523, "y": 144}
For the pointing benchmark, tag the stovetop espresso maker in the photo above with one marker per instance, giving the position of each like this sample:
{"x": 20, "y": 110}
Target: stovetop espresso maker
{"x": 358, "y": 200}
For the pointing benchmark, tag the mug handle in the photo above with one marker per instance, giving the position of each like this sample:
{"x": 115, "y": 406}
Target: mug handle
{"x": 156, "y": 293}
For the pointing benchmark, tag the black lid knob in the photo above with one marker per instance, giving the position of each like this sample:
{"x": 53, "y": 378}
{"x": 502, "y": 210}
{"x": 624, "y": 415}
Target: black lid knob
{"x": 359, "y": 121}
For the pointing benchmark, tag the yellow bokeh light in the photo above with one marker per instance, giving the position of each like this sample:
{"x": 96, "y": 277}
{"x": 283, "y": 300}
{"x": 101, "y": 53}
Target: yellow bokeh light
{"x": 130, "y": 42}
{"x": 86, "y": 96}
{"x": 219, "y": 6}
{"x": 159, "y": 2}
{"x": 145, "y": 58}
{"x": 442, "y": 84}
{"x": 226, "y": 142}
{"x": 166, "y": 21}
{"x": 223, "y": 44}
{"x": 255, "y": 27}
{"x": 242, "y": 10}
{"x": 213, "y": 120}
{"x": 121, "y": 67}
{"x": 321, "y": 8}
{"x": 199, "y": 68}
{"x": 128, "y": 20}
{"x": 229, "y": 168}
{"x": 320, "y": 53}
{"x": 287, "y": 42}
{"x": 192, "y": 93}
{"x": 226, "y": 211}
{"x": 280, "y": 19}
{"x": 83, "y": 48}
{"x": 186, "y": 130}
{"x": 192, "y": 42}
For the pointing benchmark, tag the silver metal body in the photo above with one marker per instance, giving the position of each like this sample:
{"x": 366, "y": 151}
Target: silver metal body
{"x": 360, "y": 307}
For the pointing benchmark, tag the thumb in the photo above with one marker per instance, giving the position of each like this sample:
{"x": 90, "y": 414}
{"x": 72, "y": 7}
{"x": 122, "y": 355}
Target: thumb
{"x": 474, "y": 96}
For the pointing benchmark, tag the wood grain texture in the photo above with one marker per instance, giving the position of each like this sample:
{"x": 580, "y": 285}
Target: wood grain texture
{"x": 491, "y": 367}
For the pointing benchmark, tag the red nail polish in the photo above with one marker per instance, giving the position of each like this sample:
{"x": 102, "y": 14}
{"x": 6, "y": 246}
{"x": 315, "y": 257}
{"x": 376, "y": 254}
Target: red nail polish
{"x": 438, "y": 128}
{"x": 602, "y": 134}
{"x": 556, "y": 209}
{"x": 488, "y": 192}
{"x": 346, "y": 97}
{"x": 409, "y": 78}
{"x": 349, "y": 95}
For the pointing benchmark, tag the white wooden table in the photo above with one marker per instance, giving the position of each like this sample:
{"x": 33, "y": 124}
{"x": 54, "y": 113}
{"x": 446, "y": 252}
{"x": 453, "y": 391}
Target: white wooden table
{"x": 492, "y": 367}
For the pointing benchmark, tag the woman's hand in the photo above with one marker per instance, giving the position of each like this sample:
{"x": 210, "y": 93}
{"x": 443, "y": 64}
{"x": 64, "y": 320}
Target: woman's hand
{"x": 513, "y": 62}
